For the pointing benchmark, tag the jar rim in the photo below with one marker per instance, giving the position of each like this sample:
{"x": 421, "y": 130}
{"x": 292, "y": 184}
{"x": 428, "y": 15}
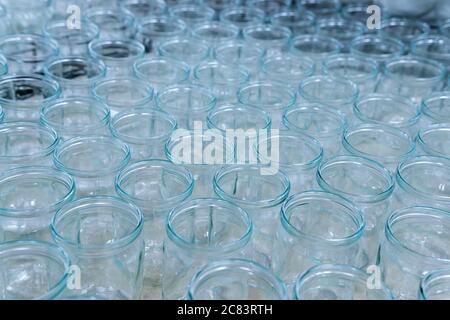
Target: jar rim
{"x": 136, "y": 46}
{"x": 97, "y": 64}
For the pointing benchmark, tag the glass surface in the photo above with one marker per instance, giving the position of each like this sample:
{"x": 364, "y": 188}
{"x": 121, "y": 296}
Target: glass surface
{"x": 321, "y": 8}
{"x": 436, "y": 108}
{"x": 404, "y": 29}
{"x": 113, "y": 23}
{"x": 342, "y": 30}
{"x": 314, "y": 46}
{"x": 184, "y": 49}
{"x": 242, "y": 16}
{"x": 215, "y": 33}
{"x": 377, "y": 47}
{"x": 192, "y": 14}
{"x": 271, "y": 38}
{"x": 434, "y": 140}
{"x": 303, "y": 22}
{"x": 435, "y": 286}
{"x": 154, "y": 30}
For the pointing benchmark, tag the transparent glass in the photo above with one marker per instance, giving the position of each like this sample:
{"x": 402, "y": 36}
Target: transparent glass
{"x": 215, "y": 33}
{"x": 404, "y": 29}
{"x": 377, "y": 47}
{"x": 314, "y": 46}
{"x": 436, "y": 108}
{"x": 27, "y": 16}
{"x": 32, "y": 270}
{"x": 75, "y": 74}
{"x": 270, "y": 7}
{"x": 340, "y": 29}
{"x": 119, "y": 56}
{"x": 366, "y": 183}
{"x": 236, "y": 279}
{"x": 416, "y": 242}
{"x": 444, "y": 29}
{"x": 433, "y": 47}
{"x": 261, "y": 195}
{"x": 184, "y": 49}
{"x": 242, "y": 16}
{"x": 103, "y": 237}
{"x": 113, "y": 23}
{"x": 273, "y": 39}
{"x": 219, "y": 5}
{"x": 141, "y": 9}
{"x": 337, "y": 282}
{"x": 316, "y": 227}
{"x": 93, "y": 161}
{"x": 271, "y": 96}
{"x": 26, "y": 144}
{"x": 27, "y": 53}
{"x": 198, "y": 232}
{"x": 192, "y": 14}
{"x": 435, "y": 286}
{"x": 77, "y": 116}
{"x": 71, "y": 41}
{"x": 321, "y": 8}
{"x": 21, "y": 96}
{"x": 123, "y": 93}
{"x": 30, "y": 197}
{"x": 434, "y": 140}
{"x": 303, "y": 22}
{"x": 156, "y": 187}
{"x": 144, "y": 130}
{"x": 321, "y": 122}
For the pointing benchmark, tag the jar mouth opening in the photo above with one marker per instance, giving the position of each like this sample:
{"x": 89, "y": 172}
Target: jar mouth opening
{"x": 186, "y": 90}
{"x": 346, "y": 60}
{"x": 116, "y": 50}
{"x": 289, "y": 97}
{"x": 436, "y": 69}
{"x": 428, "y": 102}
{"x": 401, "y": 22}
{"x": 423, "y": 141}
{"x": 169, "y": 49}
{"x": 277, "y": 32}
{"x": 431, "y": 282}
{"x": 179, "y": 65}
{"x": 397, "y": 47}
{"x": 220, "y": 31}
{"x": 305, "y": 64}
{"x": 349, "y": 98}
{"x": 39, "y": 43}
{"x": 56, "y": 69}
{"x": 303, "y": 17}
{"x": 237, "y": 76}
{"x": 255, "y": 113}
{"x": 333, "y": 46}
{"x": 109, "y": 86}
{"x": 251, "y": 13}
{"x": 171, "y": 27}
{"x": 201, "y": 13}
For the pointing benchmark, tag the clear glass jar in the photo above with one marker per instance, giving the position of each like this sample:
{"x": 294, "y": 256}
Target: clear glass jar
{"x": 321, "y": 122}
{"x": 433, "y": 47}
{"x": 141, "y": 9}
{"x": 342, "y": 30}
{"x": 21, "y": 96}
{"x": 435, "y": 108}
{"x": 27, "y": 53}
{"x": 222, "y": 80}
{"x": 215, "y": 33}
{"x": 337, "y": 282}
{"x": 184, "y": 49}
{"x": 303, "y": 22}
{"x": 316, "y": 227}
{"x": 192, "y": 14}
{"x": 161, "y": 72}
{"x": 144, "y": 130}
{"x": 360, "y": 70}
{"x": 315, "y": 47}
{"x": 186, "y": 103}
{"x": 434, "y": 140}
{"x": 32, "y": 270}
{"x": 25, "y": 16}
{"x": 198, "y": 232}
{"x": 71, "y": 41}
{"x": 386, "y": 145}
{"x": 273, "y": 39}
{"x": 366, "y": 183}
{"x": 377, "y": 47}
{"x": 30, "y": 198}
{"x": 113, "y": 23}
{"x": 219, "y": 5}
{"x": 416, "y": 242}
{"x": 423, "y": 181}
{"x": 26, "y": 144}
{"x": 269, "y": 7}
{"x": 103, "y": 237}
{"x": 435, "y": 286}
{"x": 119, "y": 56}
{"x": 156, "y": 187}
{"x": 77, "y": 116}
{"x": 75, "y": 74}
{"x": 261, "y": 195}
{"x": 404, "y": 29}
{"x": 242, "y": 16}
{"x": 236, "y": 279}
{"x": 93, "y": 161}
{"x": 321, "y": 8}
{"x": 271, "y": 96}
{"x": 123, "y": 93}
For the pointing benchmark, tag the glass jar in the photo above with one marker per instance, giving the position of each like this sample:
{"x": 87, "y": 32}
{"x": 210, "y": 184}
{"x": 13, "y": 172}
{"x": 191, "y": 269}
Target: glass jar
{"x": 184, "y": 49}
{"x": 119, "y": 56}
{"x": 416, "y": 242}
{"x": 32, "y": 270}
{"x": 270, "y": 7}
{"x": 435, "y": 286}
{"x": 30, "y": 198}
{"x": 113, "y": 23}
{"x": 434, "y": 140}
{"x": 93, "y": 161}
{"x": 198, "y": 232}
{"x": 77, "y": 116}
{"x": 123, "y": 93}
{"x": 141, "y": 9}
{"x": 156, "y": 187}
{"x": 27, "y": 53}
{"x": 214, "y": 33}
{"x": 342, "y": 30}
{"x": 404, "y": 29}
{"x": 261, "y": 193}
{"x": 321, "y": 8}
{"x": 316, "y": 227}
{"x": 219, "y": 5}
{"x": 25, "y": 16}
{"x": 21, "y": 96}
{"x": 26, "y": 144}
{"x": 435, "y": 108}
{"x": 318, "y": 121}
{"x": 144, "y": 130}
{"x": 376, "y": 47}
{"x": 242, "y": 16}
{"x": 315, "y": 47}
{"x": 75, "y": 75}
{"x": 386, "y": 145}
{"x": 273, "y": 39}
{"x": 236, "y": 279}
{"x": 299, "y": 22}
{"x": 337, "y": 282}
{"x": 103, "y": 238}
{"x": 433, "y": 47}
{"x": 192, "y": 14}
{"x": 366, "y": 183}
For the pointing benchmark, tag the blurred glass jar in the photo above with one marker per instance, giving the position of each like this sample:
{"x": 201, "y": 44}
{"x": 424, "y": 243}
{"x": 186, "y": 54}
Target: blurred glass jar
{"x": 161, "y": 72}
{"x": 184, "y": 49}
{"x": 269, "y": 7}
{"x": 76, "y": 116}
{"x": 198, "y": 232}
{"x": 376, "y": 47}
{"x": 434, "y": 140}
{"x": 71, "y": 41}
{"x": 119, "y": 56}
{"x": 435, "y": 285}
{"x": 299, "y": 22}
{"x": 75, "y": 74}
{"x": 321, "y": 8}
{"x": 144, "y": 130}
{"x": 192, "y": 14}
{"x": 433, "y": 47}
{"x": 416, "y": 242}
{"x": 220, "y": 5}
{"x": 261, "y": 192}
{"x": 242, "y": 16}
{"x": 337, "y": 282}
{"x": 403, "y": 29}
{"x": 93, "y": 161}
{"x": 342, "y": 30}
{"x": 21, "y": 97}
{"x": 27, "y": 53}
{"x": 32, "y": 270}
{"x": 123, "y": 93}
{"x": 156, "y": 187}
{"x": 27, "y": 16}
{"x": 436, "y": 108}
{"x": 315, "y": 47}
{"x": 30, "y": 198}
{"x": 26, "y": 144}
{"x": 271, "y": 96}
{"x": 318, "y": 121}
{"x": 273, "y": 39}
{"x": 214, "y": 33}
{"x": 236, "y": 279}
{"x": 361, "y": 71}
{"x": 366, "y": 183}
{"x": 386, "y": 145}
{"x": 103, "y": 237}
{"x": 142, "y": 9}
{"x": 113, "y": 23}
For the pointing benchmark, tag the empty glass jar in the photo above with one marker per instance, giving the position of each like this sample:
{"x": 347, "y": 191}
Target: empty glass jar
{"x": 214, "y": 33}
{"x": 113, "y": 23}
{"x": 434, "y": 140}
{"x": 273, "y": 39}
{"x": 435, "y": 286}
{"x": 314, "y": 46}
{"x": 343, "y": 30}
{"x": 436, "y": 108}
{"x": 299, "y": 22}
{"x": 184, "y": 49}
{"x": 142, "y": 9}
{"x": 192, "y": 14}
{"x": 321, "y": 8}
{"x": 404, "y": 29}
{"x": 377, "y": 47}
{"x": 242, "y": 16}
{"x": 433, "y": 47}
